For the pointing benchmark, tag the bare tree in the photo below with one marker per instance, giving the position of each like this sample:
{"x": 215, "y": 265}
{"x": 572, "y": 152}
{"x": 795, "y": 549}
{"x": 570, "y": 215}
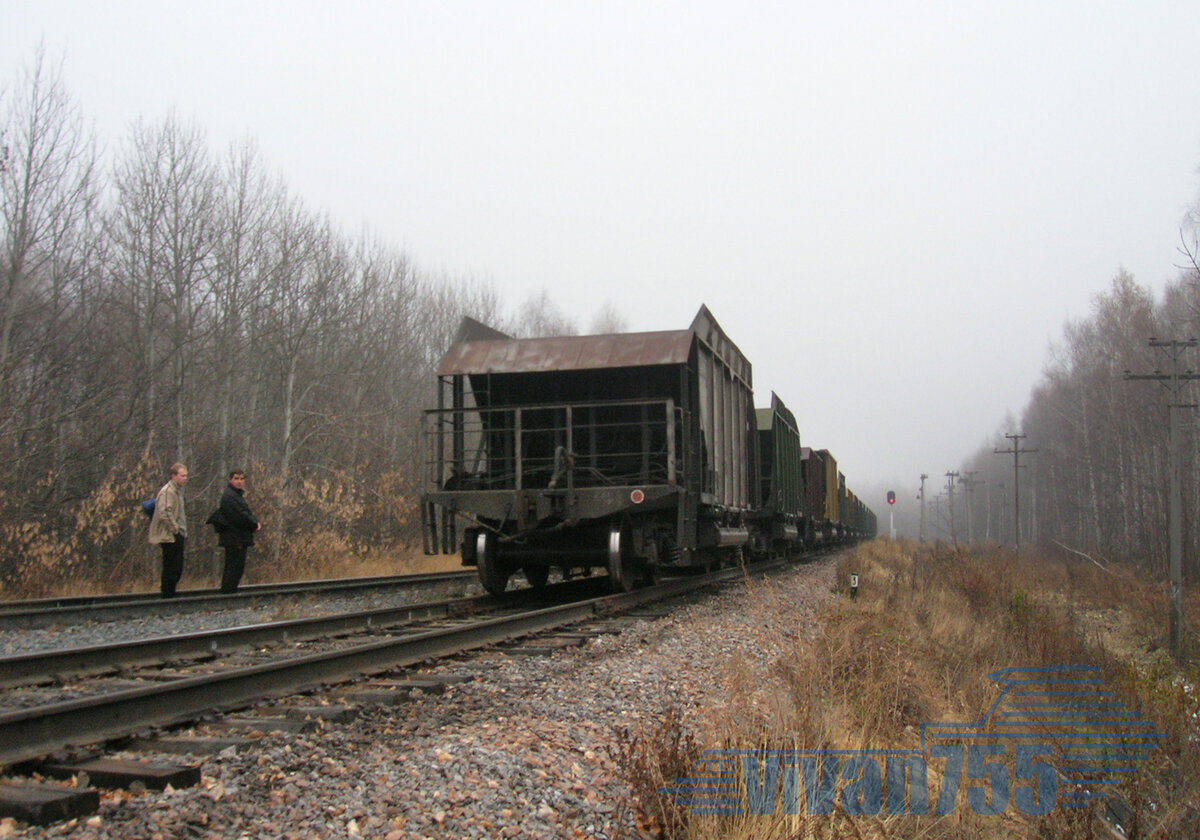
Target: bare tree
{"x": 608, "y": 319}
{"x": 202, "y": 313}
{"x": 1099, "y": 465}
{"x": 164, "y": 231}
{"x": 247, "y": 197}
{"x": 46, "y": 188}
{"x": 539, "y": 316}
{"x": 47, "y": 198}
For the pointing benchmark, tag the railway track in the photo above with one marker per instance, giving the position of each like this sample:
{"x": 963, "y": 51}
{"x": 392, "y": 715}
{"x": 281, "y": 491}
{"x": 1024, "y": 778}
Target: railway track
{"x": 54, "y": 667}
{"x": 48, "y": 612}
{"x": 175, "y": 699}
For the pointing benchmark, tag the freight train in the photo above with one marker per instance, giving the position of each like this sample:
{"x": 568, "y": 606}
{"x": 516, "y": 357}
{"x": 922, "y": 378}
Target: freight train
{"x": 638, "y": 454}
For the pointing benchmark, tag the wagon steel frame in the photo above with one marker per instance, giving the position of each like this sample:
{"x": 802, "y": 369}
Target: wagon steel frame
{"x": 632, "y": 452}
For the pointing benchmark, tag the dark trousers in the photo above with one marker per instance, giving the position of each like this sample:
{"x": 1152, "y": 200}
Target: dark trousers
{"x": 172, "y": 569}
{"x": 235, "y": 564}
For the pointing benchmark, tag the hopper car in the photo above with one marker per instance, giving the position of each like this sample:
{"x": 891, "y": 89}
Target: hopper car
{"x": 636, "y": 454}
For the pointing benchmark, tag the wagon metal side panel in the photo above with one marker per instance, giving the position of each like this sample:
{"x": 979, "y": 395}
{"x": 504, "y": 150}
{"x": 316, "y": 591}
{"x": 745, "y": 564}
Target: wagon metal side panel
{"x": 843, "y": 507}
{"x": 766, "y": 457}
{"x": 832, "y": 511}
{"x": 813, "y": 466}
{"x": 780, "y": 459}
{"x": 727, "y": 423}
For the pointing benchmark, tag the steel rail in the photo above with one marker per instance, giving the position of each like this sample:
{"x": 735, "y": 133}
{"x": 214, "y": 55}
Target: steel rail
{"x": 54, "y": 665}
{"x": 59, "y": 601}
{"x": 44, "y": 666}
{"x": 32, "y": 733}
{"x": 46, "y": 612}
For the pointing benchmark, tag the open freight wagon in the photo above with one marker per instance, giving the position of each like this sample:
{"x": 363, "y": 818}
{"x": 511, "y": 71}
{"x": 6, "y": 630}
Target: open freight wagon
{"x": 782, "y": 523}
{"x": 630, "y": 453}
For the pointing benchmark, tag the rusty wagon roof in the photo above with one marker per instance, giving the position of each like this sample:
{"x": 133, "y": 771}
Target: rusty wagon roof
{"x": 573, "y": 352}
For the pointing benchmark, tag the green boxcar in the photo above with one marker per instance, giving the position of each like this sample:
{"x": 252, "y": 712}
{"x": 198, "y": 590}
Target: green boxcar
{"x": 782, "y": 485}
{"x": 781, "y": 524}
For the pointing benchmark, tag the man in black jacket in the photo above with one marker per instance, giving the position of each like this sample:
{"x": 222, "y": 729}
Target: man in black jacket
{"x": 236, "y": 526}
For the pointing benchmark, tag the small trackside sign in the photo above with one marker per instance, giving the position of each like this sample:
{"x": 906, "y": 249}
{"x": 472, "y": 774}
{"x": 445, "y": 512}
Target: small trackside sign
{"x": 637, "y": 497}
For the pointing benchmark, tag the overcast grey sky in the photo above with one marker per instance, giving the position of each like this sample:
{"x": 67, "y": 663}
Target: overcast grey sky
{"x": 891, "y": 207}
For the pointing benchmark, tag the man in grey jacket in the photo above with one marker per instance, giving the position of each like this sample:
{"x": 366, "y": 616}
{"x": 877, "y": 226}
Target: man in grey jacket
{"x": 168, "y": 528}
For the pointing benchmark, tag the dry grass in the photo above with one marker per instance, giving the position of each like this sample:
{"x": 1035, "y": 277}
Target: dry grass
{"x": 916, "y": 645}
{"x": 315, "y": 559}
{"x": 326, "y": 556}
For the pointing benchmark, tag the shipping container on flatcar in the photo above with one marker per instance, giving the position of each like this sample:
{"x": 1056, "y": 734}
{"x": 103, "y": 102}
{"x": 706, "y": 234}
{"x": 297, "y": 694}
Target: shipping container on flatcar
{"x": 632, "y": 453}
{"x": 780, "y": 525}
{"x": 832, "y": 509}
{"x": 843, "y": 514}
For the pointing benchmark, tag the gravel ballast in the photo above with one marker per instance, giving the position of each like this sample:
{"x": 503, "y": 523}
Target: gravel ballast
{"x": 523, "y": 749}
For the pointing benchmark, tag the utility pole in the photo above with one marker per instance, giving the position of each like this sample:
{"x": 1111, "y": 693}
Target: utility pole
{"x": 969, "y": 483}
{"x": 1174, "y": 382}
{"x": 987, "y": 519}
{"x": 1002, "y": 514}
{"x": 1016, "y": 452}
{"x": 950, "y": 476}
{"x": 922, "y": 498}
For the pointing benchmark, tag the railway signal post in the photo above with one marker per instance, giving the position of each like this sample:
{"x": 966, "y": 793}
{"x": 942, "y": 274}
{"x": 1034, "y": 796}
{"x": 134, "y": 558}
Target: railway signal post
{"x": 891, "y": 500}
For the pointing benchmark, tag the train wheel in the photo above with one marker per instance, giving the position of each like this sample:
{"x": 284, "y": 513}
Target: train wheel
{"x": 622, "y": 570}
{"x": 492, "y": 573}
{"x": 537, "y": 575}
